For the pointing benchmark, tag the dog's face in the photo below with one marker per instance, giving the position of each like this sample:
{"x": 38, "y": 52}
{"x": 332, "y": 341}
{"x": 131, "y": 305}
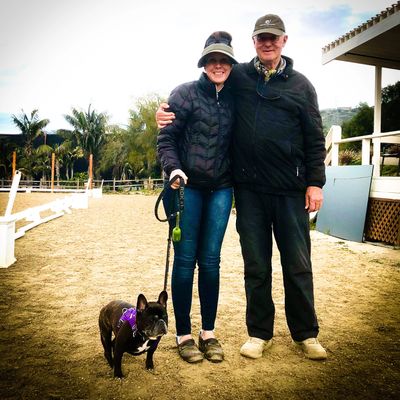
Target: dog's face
{"x": 152, "y": 317}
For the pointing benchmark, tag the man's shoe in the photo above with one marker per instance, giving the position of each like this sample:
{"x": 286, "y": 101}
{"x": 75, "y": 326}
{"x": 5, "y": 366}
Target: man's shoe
{"x": 212, "y": 349}
{"x": 312, "y": 349}
{"x": 190, "y": 352}
{"x": 254, "y": 347}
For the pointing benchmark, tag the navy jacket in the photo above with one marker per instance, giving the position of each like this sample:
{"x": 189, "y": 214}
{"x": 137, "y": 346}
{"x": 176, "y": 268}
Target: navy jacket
{"x": 198, "y": 141}
{"x": 278, "y": 143}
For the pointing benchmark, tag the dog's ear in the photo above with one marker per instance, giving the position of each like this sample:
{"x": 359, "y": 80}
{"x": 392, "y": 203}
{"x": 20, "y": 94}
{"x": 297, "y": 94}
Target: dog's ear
{"x": 141, "y": 303}
{"x": 162, "y": 298}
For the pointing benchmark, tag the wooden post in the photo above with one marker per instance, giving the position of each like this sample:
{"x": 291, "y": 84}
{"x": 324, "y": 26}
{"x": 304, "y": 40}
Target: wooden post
{"x": 91, "y": 170}
{"x": 14, "y": 162}
{"x": 53, "y": 158}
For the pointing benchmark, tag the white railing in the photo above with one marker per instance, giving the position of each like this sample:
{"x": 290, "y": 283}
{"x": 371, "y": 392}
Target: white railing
{"x": 34, "y": 217}
{"x": 334, "y": 139}
{"x": 383, "y": 187}
{"x": 114, "y": 185}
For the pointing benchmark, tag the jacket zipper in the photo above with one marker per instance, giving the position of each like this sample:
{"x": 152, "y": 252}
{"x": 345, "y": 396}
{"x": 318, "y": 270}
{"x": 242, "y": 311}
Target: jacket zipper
{"x": 219, "y": 127}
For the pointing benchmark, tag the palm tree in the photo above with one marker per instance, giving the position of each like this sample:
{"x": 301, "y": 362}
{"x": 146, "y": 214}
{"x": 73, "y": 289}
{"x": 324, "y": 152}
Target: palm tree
{"x": 59, "y": 151}
{"x": 89, "y": 130}
{"x": 143, "y": 127}
{"x": 30, "y": 128}
{"x": 71, "y": 151}
{"x": 42, "y": 157}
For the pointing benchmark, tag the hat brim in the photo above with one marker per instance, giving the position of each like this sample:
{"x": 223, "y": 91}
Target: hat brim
{"x": 274, "y": 31}
{"x": 215, "y": 48}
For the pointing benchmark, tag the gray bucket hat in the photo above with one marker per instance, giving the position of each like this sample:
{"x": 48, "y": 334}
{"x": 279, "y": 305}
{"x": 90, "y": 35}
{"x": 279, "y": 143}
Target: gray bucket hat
{"x": 217, "y": 42}
{"x": 269, "y": 23}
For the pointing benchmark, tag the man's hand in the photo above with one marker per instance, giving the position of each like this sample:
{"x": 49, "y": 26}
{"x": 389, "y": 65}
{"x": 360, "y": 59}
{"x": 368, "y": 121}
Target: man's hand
{"x": 314, "y": 198}
{"x": 179, "y": 172}
{"x": 164, "y": 118}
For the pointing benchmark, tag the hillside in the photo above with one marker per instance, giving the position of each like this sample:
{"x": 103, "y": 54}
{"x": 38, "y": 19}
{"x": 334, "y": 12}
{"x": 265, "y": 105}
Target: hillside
{"x": 336, "y": 116}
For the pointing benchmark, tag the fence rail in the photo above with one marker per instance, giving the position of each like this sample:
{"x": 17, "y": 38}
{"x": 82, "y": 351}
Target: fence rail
{"x": 112, "y": 185}
{"x": 32, "y": 217}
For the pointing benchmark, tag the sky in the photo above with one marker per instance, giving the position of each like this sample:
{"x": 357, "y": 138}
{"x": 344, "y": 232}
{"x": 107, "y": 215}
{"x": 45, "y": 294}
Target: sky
{"x": 59, "y": 54}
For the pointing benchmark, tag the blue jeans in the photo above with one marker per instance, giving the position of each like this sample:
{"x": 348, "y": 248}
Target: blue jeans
{"x": 203, "y": 225}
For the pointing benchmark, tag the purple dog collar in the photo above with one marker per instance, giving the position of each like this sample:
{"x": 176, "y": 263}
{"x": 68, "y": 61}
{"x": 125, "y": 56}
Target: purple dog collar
{"x": 129, "y": 315}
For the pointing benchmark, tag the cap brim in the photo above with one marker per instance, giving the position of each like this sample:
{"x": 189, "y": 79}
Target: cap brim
{"x": 274, "y": 31}
{"x": 215, "y": 48}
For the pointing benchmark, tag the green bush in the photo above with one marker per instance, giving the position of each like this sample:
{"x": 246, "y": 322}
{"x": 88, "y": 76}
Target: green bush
{"x": 349, "y": 157}
{"x": 389, "y": 170}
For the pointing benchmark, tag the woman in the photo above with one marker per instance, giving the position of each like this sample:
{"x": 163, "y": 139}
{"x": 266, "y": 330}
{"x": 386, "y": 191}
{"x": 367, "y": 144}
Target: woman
{"x": 196, "y": 147}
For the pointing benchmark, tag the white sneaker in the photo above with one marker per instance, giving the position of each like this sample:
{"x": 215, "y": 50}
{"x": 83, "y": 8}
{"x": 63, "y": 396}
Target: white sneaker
{"x": 254, "y": 347}
{"x": 312, "y": 349}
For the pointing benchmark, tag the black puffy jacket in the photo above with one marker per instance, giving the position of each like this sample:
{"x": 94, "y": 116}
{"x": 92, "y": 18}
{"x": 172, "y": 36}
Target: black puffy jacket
{"x": 198, "y": 141}
{"x": 278, "y": 143}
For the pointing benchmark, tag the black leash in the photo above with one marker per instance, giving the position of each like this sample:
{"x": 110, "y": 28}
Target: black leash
{"x": 174, "y": 234}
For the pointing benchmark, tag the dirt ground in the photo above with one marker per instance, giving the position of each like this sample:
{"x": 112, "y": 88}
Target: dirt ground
{"x": 68, "y": 268}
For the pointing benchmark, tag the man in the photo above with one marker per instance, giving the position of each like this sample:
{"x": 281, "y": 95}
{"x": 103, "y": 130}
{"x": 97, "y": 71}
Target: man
{"x": 278, "y": 152}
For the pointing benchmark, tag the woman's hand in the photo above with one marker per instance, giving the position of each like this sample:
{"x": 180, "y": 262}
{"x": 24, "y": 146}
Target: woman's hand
{"x": 179, "y": 172}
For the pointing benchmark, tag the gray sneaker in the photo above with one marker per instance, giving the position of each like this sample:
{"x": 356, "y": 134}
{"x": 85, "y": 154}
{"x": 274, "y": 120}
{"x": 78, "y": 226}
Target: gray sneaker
{"x": 254, "y": 347}
{"x": 312, "y": 349}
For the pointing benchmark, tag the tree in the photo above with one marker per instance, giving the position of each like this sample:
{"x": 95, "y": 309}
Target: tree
{"x": 71, "y": 151}
{"x": 30, "y": 128}
{"x": 121, "y": 155}
{"x": 143, "y": 129}
{"x": 391, "y": 107}
{"x": 360, "y": 124}
{"x": 131, "y": 152}
{"x": 7, "y": 146}
{"x": 42, "y": 160}
{"x": 89, "y": 130}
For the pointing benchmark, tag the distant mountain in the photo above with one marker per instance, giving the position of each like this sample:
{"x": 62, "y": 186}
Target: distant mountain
{"x": 336, "y": 116}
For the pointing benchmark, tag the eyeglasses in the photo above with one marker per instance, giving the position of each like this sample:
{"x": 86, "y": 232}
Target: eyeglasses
{"x": 221, "y": 61}
{"x": 263, "y": 37}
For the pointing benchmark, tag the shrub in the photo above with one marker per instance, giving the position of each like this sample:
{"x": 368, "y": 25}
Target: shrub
{"x": 349, "y": 157}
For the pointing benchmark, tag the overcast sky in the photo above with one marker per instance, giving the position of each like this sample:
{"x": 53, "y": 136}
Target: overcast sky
{"x": 58, "y": 54}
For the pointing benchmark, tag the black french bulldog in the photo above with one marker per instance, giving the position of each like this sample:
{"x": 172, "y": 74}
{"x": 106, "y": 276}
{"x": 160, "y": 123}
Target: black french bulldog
{"x": 136, "y": 330}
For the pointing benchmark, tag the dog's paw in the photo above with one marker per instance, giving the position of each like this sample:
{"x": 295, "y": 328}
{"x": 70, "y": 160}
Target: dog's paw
{"x": 118, "y": 375}
{"x": 149, "y": 366}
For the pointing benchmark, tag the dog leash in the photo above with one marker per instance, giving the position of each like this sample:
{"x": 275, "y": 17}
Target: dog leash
{"x": 174, "y": 233}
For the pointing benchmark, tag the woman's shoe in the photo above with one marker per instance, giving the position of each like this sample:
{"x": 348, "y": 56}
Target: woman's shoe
{"x": 189, "y": 351}
{"x": 212, "y": 349}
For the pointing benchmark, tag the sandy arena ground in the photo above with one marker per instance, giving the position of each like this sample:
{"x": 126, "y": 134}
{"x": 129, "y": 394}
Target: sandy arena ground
{"x": 68, "y": 268}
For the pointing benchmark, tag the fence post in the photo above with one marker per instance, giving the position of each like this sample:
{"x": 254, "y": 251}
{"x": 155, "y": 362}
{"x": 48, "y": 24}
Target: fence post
{"x": 365, "y": 151}
{"x": 336, "y": 135}
{"x": 114, "y": 185}
{"x": 7, "y": 241}
{"x": 376, "y": 156}
{"x": 13, "y": 193}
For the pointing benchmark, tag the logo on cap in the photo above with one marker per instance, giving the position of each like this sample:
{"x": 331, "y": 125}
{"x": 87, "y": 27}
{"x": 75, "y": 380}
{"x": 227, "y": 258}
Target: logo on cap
{"x": 268, "y": 22}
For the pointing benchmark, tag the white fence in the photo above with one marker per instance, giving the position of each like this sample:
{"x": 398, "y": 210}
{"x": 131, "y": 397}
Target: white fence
{"x": 34, "y": 216}
{"x": 114, "y": 185}
{"x": 382, "y": 186}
